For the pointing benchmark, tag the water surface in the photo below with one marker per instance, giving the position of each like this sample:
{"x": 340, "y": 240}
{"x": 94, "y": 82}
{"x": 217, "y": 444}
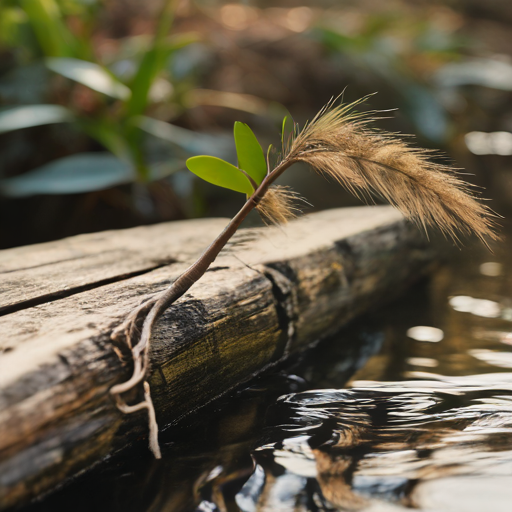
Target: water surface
{"x": 409, "y": 407}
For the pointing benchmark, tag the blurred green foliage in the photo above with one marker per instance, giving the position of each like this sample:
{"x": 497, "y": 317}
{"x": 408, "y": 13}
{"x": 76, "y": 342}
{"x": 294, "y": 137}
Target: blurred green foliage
{"x": 107, "y": 101}
{"x": 400, "y": 52}
{"x": 88, "y": 91}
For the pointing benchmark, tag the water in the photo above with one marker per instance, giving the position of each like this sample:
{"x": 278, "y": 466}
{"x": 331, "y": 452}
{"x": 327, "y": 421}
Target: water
{"x": 410, "y": 407}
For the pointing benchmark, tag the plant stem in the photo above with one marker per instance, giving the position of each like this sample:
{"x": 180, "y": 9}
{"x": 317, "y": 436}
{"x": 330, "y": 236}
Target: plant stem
{"x": 153, "y": 309}
{"x": 197, "y": 269}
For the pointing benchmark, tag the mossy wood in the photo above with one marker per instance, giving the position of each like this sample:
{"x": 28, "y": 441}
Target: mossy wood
{"x": 270, "y": 293}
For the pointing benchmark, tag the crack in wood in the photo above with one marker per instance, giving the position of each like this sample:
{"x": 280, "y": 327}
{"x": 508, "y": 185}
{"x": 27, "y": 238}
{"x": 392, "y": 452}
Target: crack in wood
{"x": 240, "y": 320}
{"x": 51, "y": 297}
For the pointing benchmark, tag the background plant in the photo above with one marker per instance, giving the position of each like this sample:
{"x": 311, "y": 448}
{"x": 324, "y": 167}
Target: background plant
{"x": 339, "y": 144}
{"x": 105, "y": 99}
{"x": 444, "y": 68}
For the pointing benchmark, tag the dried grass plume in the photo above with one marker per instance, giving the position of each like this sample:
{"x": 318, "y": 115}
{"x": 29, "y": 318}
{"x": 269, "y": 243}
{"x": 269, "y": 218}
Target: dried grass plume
{"x": 340, "y": 143}
{"x": 278, "y": 205}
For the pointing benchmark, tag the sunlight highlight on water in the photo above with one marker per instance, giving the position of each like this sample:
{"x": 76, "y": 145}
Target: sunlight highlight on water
{"x": 411, "y": 407}
{"x": 424, "y": 333}
{"x": 479, "y": 307}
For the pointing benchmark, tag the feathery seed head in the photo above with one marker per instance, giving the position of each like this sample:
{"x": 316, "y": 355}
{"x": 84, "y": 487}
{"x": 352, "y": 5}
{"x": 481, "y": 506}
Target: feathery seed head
{"x": 278, "y": 205}
{"x": 339, "y": 143}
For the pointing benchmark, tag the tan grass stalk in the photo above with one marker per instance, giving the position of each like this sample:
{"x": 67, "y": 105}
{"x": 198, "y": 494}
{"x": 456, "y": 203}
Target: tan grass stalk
{"x": 338, "y": 143}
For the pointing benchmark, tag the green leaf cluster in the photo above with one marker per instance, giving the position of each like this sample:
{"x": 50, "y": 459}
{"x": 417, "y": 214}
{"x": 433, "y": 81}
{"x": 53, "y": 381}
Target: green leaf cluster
{"x": 37, "y": 31}
{"x": 251, "y": 170}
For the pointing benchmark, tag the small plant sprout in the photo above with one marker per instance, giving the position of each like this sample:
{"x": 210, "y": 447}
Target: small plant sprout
{"x": 339, "y": 143}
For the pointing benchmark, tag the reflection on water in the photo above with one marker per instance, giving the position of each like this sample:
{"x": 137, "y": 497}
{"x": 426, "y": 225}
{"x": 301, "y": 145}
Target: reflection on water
{"x": 382, "y": 441}
{"x": 491, "y": 269}
{"x": 411, "y": 407}
{"x": 478, "y": 307}
{"x": 425, "y": 333}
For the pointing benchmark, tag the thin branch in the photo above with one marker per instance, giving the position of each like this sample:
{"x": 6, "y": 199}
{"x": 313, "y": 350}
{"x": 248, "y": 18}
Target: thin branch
{"x": 336, "y": 143}
{"x": 150, "y": 311}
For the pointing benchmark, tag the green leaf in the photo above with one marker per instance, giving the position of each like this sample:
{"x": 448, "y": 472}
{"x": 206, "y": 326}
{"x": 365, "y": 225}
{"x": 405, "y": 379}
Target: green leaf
{"x": 109, "y": 134}
{"x": 26, "y": 116}
{"x": 287, "y": 129}
{"x": 12, "y": 23}
{"x": 195, "y": 143}
{"x": 250, "y": 155}
{"x": 134, "y": 46}
{"x": 220, "y": 173}
{"x": 89, "y": 74}
{"x": 152, "y": 63}
{"x": 48, "y": 24}
{"x": 178, "y": 41}
{"x": 83, "y": 172}
{"x": 269, "y": 149}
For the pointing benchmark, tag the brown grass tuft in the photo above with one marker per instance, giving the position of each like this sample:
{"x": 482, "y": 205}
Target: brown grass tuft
{"x": 340, "y": 144}
{"x": 278, "y": 205}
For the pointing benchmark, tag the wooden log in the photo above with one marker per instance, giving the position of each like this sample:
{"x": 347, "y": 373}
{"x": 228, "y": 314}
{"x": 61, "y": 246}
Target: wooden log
{"x": 271, "y": 293}
{"x": 36, "y": 274}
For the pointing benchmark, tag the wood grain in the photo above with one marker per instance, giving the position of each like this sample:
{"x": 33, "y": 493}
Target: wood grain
{"x": 274, "y": 291}
{"x": 39, "y": 273}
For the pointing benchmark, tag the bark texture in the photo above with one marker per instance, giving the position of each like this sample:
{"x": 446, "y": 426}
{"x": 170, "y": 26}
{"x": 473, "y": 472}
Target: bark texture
{"x": 272, "y": 292}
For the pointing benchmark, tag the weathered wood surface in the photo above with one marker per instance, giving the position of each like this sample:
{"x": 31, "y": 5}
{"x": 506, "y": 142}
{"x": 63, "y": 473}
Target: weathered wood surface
{"x": 38, "y": 273}
{"x": 270, "y": 294}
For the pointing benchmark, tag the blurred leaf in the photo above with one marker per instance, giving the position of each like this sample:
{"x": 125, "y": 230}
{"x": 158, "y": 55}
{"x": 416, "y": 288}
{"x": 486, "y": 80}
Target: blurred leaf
{"x": 15, "y": 118}
{"x": 379, "y": 23}
{"x": 12, "y": 22}
{"x": 151, "y": 65}
{"x": 178, "y": 41}
{"x": 147, "y": 72}
{"x": 90, "y": 74}
{"x": 425, "y": 111}
{"x": 25, "y": 85}
{"x": 250, "y": 155}
{"x": 191, "y": 142}
{"x": 125, "y": 60}
{"x": 287, "y": 132}
{"x": 152, "y": 62}
{"x": 53, "y": 35}
{"x": 335, "y": 41}
{"x": 237, "y": 101}
{"x": 220, "y": 173}
{"x": 108, "y": 135}
{"x": 484, "y": 72}
{"x": 83, "y": 172}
